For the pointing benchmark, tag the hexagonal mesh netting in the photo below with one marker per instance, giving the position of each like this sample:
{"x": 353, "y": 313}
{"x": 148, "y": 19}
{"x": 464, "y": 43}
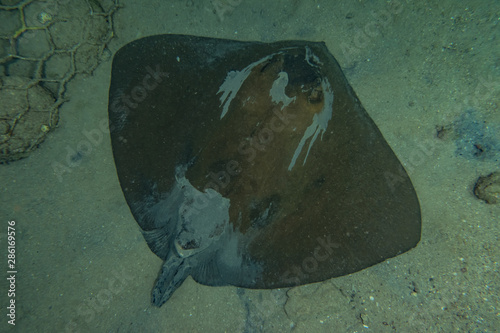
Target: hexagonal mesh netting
{"x": 43, "y": 45}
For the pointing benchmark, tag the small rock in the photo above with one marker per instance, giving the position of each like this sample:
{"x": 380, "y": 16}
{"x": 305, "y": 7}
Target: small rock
{"x": 487, "y": 188}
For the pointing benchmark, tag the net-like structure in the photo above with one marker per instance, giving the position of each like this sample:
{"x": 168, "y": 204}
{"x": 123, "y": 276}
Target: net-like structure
{"x": 43, "y": 45}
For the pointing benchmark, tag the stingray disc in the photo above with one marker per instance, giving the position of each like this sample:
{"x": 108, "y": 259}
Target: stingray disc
{"x": 253, "y": 164}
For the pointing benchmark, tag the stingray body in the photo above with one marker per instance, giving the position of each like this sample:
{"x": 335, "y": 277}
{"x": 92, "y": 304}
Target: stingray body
{"x": 253, "y": 164}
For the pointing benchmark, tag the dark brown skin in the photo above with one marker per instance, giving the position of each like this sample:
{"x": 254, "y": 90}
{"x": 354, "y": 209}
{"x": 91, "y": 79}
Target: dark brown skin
{"x": 350, "y": 206}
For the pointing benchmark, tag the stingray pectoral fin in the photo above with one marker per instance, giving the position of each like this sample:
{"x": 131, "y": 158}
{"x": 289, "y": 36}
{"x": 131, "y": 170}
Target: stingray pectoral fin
{"x": 158, "y": 241}
{"x": 174, "y": 271}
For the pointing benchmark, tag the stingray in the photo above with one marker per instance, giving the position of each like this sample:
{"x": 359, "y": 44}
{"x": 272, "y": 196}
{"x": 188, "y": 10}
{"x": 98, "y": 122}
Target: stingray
{"x": 253, "y": 164}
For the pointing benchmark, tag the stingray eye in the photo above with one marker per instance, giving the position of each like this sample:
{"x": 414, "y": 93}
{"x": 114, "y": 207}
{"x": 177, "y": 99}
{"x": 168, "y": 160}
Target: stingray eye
{"x": 189, "y": 245}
